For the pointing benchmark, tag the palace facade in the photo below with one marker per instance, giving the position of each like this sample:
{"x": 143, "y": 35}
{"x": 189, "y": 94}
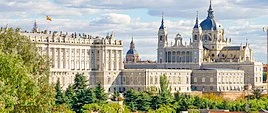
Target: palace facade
{"x": 209, "y": 63}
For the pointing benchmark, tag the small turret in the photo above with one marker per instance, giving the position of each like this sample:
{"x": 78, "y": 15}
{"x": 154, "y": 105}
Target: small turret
{"x": 35, "y": 28}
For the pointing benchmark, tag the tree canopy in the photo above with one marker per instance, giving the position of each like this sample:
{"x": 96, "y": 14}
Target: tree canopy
{"x": 24, "y": 75}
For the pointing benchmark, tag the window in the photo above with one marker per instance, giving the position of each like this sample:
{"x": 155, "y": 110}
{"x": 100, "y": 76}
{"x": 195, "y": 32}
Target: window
{"x": 211, "y": 79}
{"x": 195, "y": 79}
{"x": 211, "y": 87}
{"x": 195, "y": 37}
{"x": 203, "y": 79}
{"x": 161, "y": 38}
{"x": 151, "y": 80}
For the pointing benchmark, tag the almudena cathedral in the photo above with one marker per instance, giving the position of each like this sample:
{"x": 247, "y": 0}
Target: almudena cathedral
{"x": 208, "y": 63}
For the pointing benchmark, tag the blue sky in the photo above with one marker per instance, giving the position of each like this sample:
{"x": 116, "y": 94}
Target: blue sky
{"x": 241, "y": 19}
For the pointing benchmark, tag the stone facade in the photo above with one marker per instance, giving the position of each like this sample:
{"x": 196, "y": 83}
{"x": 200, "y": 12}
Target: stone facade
{"x": 146, "y": 79}
{"x": 96, "y": 57}
{"x": 100, "y": 59}
{"x": 208, "y": 48}
{"x": 217, "y": 80}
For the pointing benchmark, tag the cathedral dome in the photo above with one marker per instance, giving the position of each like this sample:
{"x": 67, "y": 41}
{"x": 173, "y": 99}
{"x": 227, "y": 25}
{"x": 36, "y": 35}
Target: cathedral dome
{"x": 209, "y": 24}
{"x": 132, "y": 51}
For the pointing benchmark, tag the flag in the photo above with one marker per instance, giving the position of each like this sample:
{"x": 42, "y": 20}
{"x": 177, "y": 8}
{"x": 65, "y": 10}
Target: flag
{"x": 48, "y": 18}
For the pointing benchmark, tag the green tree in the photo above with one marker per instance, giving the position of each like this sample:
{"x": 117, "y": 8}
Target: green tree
{"x": 17, "y": 90}
{"x": 131, "y": 97}
{"x": 101, "y": 96}
{"x": 81, "y": 93}
{"x": 36, "y": 67}
{"x": 143, "y": 101}
{"x": 165, "y": 94}
{"x": 163, "y": 109}
{"x": 105, "y": 108}
{"x": 79, "y": 82}
{"x": 69, "y": 94}
{"x": 60, "y": 98}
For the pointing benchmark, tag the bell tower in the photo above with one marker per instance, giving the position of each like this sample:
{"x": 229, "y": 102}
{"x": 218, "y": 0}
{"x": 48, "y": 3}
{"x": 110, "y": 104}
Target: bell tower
{"x": 197, "y": 42}
{"x": 162, "y": 42}
{"x": 197, "y": 34}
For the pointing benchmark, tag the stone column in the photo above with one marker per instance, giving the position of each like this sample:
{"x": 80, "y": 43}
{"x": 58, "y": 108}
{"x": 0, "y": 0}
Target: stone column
{"x": 115, "y": 60}
{"x": 59, "y": 58}
{"x": 75, "y": 58}
{"x": 65, "y": 58}
{"x": 80, "y": 59}
{"x": 54, "y": 57}
{"x": 70, "y": 58}
{"x": 110, "y": 59}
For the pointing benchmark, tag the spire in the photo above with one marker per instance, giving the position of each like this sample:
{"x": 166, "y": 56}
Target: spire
{"x": 35, "y": 27}
{"x": 162, "y": 23}
{"x": 196, "y": 21}
{"x": 210, "y": 11}
{"x": 132, "y": 45}
{"x": 132, "y": 40}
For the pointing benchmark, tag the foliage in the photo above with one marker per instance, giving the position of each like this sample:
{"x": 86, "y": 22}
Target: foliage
{"x": 165, "y": 95}
{"x": 257, "y": 93}
{"x": 69, "y": 94}
{"x": 104, "y": 108}
{"x": 101, "y": 96}
{"x": 24, "y": 75}
{"x": 131, "y": 99}
{"x": 116, "y": 95}
{"x": 62, "y": 108}
{"x": 163, "y": 109}
{"x": 83, "y": 95}
{"x": 144, "y": 101}
{"x": 60, "y": 98}
{"x": 194, "y": 111}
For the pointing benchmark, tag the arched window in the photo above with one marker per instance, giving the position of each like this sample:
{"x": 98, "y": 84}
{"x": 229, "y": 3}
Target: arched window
{"x": 205, "y": 37}
{"x": 195, "y": 37}
{"x": 161, "y": 38}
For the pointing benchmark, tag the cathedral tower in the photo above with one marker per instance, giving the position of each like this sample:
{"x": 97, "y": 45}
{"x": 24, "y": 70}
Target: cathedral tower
{"x": 162, "y": 42}
{"x": 196, "y": 34}
{"x": 212, "y": 36}
{"x": 197, "y": 42}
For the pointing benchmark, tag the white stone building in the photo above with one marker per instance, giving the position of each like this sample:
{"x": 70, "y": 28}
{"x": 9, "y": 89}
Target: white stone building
{"x": 100, "y": 59}
{"x": 208, "y": 48}
{"x": 217, "y": 80}
{"x": 146, "y": 79}
{"x": 97, "y": 58}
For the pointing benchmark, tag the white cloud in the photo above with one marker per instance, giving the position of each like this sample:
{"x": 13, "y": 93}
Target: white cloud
{"x": 100, "y": 17}
{"x": 113, "y": 18}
